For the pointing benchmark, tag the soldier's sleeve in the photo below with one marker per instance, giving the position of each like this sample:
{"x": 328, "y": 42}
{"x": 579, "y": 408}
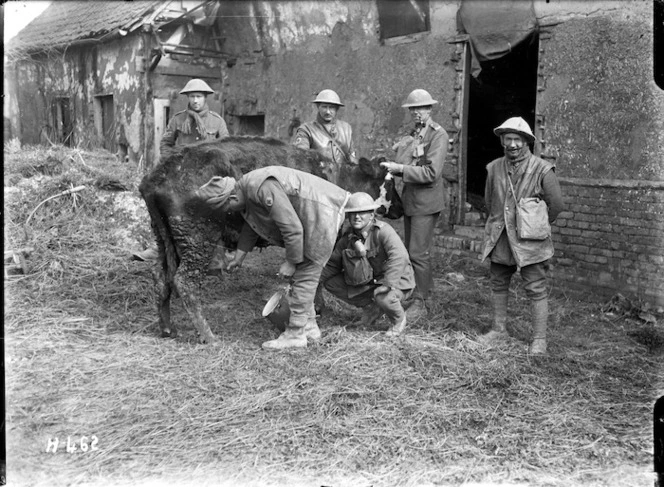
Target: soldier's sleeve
{"x": 170, "y": 134}
{"x": 352, "y": 155}
{"x": 248, "y": 238}
{"x": 223, "y": 129}
{"x": 397, "y": 256}
{"x": 488, "y": 189}
{"x": 433, "y": 161}
{"x": 333, "y": 266}
{"x": 552, "y": 195}
{"x": 302, "y": 139}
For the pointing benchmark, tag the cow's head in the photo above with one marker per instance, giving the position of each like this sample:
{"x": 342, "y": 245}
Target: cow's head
{"x": 379, "y": 186}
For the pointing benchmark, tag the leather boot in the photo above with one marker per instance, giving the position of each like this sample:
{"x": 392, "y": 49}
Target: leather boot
{"x": 540, "y": 310}
{"x": 151, "y": 253}
{"x": 370, "y": 314}
{"x": 498, "y": 331}
{"x": 311, "y": 330}
{"x": 291, "y": 338}
{"x": 397, "y": 328}
{"x": 416, "y": 310}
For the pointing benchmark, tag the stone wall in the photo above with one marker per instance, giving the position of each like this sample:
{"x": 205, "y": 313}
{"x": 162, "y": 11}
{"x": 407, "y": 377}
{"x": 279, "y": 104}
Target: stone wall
{"x": 611, "y": 238}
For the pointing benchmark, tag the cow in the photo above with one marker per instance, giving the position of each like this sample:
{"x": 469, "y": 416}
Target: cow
{"x": 187, "y": 229}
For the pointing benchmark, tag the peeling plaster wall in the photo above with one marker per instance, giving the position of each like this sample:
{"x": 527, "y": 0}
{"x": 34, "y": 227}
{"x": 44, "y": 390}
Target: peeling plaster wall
{"x": 80, "y": 73}
{"x": 604, "y": 124}
{"x": 604, "y": 113}
{"x": 292, "y": 50}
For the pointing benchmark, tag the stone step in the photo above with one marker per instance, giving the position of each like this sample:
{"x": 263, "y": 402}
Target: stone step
{"x": 476, "y": 233}
{"x": 474, "y": 218}
{"x": 458, "y": 242}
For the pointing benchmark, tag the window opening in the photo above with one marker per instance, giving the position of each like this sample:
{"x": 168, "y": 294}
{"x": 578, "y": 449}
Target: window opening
{"x": 402, "y": 17}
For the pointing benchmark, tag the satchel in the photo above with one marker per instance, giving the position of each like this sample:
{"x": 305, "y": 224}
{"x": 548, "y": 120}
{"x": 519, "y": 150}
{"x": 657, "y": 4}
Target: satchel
{"x": 357, "y": 268}
{"x": 532, "y": 219}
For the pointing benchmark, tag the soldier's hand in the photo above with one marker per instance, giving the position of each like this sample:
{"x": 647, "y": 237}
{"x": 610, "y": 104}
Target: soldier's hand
{"x": 233, "y": 264}
{"x": 381, "y": 290}
{"x": 392, "y": 167}
{"x": 287, "y": 270}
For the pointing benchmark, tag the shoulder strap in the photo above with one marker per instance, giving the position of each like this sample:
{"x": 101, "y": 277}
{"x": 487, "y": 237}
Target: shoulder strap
{"x": 332, "y": 140}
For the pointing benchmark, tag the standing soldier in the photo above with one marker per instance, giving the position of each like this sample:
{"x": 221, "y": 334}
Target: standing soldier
{"x": 197, "y": 122}
{"x": 516, "y": 176}
{"x": 327, "y": 135}
{"x": 420, "y": 158}
{"x": 194, "y": 124}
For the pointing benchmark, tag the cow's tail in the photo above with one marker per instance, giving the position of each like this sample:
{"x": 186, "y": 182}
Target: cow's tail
{"x": 162, "y": 233}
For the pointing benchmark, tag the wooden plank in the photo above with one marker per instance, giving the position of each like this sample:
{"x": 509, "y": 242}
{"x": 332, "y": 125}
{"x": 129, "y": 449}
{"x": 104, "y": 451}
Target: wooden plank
{"x": 168, "y": 66}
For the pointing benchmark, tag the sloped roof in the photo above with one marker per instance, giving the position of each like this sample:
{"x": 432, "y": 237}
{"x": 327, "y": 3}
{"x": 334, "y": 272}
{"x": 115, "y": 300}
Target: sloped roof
{"x": 65, "y": 21}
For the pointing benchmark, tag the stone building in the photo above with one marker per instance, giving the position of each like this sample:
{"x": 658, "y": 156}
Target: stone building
{"x": 581, "y": 73}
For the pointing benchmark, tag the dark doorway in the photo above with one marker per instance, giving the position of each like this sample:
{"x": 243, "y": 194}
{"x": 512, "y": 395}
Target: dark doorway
{"x": 248, "y": 125}
{"x": 506, "y": 87}
{"x": 61, "y": 113}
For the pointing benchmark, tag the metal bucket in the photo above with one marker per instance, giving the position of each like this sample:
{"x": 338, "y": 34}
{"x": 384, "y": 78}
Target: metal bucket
{"x": 277, "y": 309}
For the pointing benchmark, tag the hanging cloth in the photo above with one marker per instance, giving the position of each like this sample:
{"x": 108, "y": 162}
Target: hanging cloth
{"x": 495, "y": 27}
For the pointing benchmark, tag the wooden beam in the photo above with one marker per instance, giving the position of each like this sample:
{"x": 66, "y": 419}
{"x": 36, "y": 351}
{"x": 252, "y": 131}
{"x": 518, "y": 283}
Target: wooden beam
{"x": 168, "y": 66}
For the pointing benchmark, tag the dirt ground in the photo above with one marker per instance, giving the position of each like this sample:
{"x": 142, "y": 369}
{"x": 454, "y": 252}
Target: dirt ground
{"x": 85, "y": 368}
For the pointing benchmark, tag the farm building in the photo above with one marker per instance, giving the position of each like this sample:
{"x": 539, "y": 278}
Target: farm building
{"x": 108, "y": 74}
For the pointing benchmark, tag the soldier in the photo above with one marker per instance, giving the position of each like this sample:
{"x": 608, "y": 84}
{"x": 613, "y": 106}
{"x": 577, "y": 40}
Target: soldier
{"x": 517, "y": 176}
{"x": 297, "y": 211}
{"x": 327, "y": 135}
{"x": 419, "y": 161}
{"x": 197, "y": 122}
{"x": 369, "y": 267}
{"x": 194, "y": 124}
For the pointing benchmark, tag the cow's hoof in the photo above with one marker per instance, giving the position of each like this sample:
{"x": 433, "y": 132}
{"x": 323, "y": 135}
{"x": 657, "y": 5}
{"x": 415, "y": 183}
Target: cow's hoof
{"x": 168, "y": 333}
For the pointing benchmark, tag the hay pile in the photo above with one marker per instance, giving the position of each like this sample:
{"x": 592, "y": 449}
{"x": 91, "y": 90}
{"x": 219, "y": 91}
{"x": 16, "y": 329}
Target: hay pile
{"x": 432, "y": 408}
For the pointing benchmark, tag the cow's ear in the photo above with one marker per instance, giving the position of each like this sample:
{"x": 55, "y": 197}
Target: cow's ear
{"x": 366, "y": 166}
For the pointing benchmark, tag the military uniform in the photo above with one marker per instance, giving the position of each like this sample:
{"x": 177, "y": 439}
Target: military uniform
{"x": 300, "y": 212}
{"x": 391, "y": 267}
{"x": 422, "y": 154}
{"x": 215, "y": 128}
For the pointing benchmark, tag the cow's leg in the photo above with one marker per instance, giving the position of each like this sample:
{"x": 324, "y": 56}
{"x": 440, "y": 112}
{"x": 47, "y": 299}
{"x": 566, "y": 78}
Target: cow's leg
{"x": 188, "y": 292}
{"x": 196, "y": 245}
{"x": 164, "y": 290}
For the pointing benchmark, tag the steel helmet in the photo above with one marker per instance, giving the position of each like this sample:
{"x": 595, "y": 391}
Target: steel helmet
{"x": 515, "y": 125}
{"x": 277, "y": 309}
{"x": 419, "y": 98}
{"x": 328, "y": 96}
{"x": 360, "y": 202}
{"x": 196, "y": 86}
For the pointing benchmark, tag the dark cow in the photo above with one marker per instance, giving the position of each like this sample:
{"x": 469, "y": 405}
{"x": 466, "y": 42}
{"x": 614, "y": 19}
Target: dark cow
{"x": 187, "y": 230}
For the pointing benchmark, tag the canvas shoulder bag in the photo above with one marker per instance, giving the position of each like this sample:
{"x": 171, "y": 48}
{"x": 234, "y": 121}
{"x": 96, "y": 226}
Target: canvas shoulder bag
{"x": 357, "y": 268}
{"x": 532, "y": 217}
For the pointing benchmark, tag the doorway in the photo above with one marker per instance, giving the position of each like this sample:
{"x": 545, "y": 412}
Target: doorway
{"x": 505, "y": 87}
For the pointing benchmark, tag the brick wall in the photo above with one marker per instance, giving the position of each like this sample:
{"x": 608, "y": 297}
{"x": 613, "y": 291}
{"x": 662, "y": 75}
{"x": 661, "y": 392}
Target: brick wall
{"x": 611, "y": 238}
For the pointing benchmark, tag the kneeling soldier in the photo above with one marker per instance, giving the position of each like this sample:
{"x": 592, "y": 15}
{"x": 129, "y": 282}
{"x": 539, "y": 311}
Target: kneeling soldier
{"x": 369, "y": 267}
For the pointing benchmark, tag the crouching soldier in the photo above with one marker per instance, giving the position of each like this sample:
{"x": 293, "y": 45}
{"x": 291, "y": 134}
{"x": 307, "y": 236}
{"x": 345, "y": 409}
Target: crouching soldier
{"x": 369, "y": 267}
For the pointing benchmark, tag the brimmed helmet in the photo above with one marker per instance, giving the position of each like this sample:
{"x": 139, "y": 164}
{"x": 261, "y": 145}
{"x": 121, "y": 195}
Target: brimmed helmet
{"x": 277, "y": 309}
{"x": 358, "y": 202}
{"x": 328, "y": 96}
{"x": 198, "y": 86}
{"x": 419, "y": 98}
{"x": 515, "y": 125}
